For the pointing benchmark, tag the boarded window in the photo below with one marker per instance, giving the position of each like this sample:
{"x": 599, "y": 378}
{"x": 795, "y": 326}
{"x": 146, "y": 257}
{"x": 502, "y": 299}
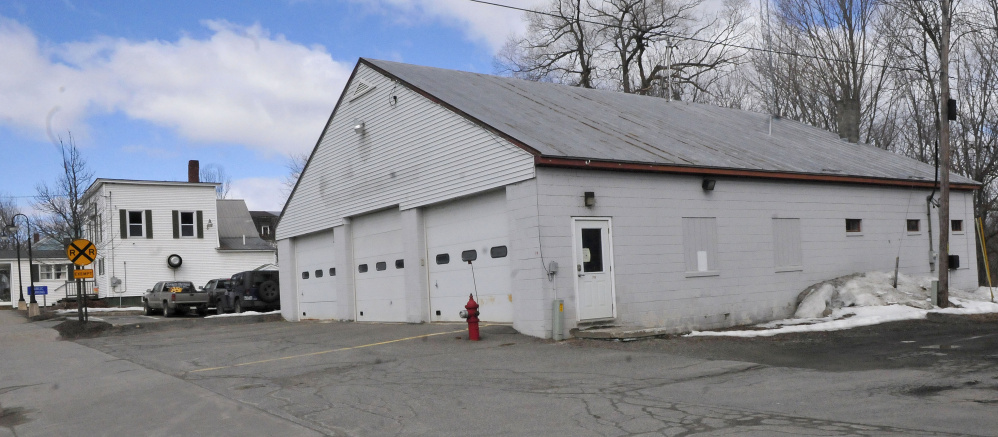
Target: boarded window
{"x": 957, "y": 225}
{"x": 913, "y": 225}
{"x": 786, "y": 243}
{"x": 854, "y": 225}
{"x": 443, "y": 258}
{"x": 498, "y": 252}
{"x": 700, "y": 244}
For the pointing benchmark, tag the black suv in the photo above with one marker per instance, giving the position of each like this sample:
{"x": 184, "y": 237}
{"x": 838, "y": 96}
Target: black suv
{"x": 253, "y": 290}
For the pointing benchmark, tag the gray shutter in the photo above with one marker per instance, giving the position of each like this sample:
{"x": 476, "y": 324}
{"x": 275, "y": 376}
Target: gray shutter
{"x": 124, "y": 223}
{"x": 176, "y": 224}
{"x": 148, "y": 223}
{"x": 200, "y": 218}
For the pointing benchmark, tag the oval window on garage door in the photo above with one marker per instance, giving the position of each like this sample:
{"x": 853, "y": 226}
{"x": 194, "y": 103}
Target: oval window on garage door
{"x": 443, "y": 258}
{"x": 469, "y": 255}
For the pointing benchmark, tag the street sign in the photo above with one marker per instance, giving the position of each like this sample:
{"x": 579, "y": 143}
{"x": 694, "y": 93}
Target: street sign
{"x": 82, "y": 252}
{"x": 83, "y": 274}
{"x": 39, "y": 290}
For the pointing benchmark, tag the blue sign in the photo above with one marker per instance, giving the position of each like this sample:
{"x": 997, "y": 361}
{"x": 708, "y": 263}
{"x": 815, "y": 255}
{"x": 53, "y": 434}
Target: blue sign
{"x": 39, "y": 289}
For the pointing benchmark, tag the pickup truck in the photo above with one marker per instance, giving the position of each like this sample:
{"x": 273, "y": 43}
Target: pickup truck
{"x": 173, "y": 297}
{"x": 216, "y": 289}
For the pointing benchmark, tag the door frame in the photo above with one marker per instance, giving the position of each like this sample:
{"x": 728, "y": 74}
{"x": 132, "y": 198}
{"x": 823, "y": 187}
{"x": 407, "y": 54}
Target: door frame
{"x": 575, "y": 252}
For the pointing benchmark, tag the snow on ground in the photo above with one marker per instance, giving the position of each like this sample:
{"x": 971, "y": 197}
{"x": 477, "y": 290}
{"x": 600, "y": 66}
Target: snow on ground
{"x": 245, "y": 313}
{"x": 99, "y": 310}
{"x": 863, "y": 300}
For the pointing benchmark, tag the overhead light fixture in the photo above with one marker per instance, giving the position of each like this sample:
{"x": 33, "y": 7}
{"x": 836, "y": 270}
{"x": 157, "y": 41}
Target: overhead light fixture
{"x": 590, "y": 199}
{"x": 708, "y": 184}
{"x": 358, "y": 127}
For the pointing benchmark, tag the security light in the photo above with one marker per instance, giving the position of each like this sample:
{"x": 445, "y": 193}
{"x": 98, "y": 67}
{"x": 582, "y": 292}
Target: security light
{"x": 708, "y": 184}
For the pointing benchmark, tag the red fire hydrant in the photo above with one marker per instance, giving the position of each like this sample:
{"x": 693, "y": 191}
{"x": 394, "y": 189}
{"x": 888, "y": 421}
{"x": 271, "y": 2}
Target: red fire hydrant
{"x": 471, "y": 313}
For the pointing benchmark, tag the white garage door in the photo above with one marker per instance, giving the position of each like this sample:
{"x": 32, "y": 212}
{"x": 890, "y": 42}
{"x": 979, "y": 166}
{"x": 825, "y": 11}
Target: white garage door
{"x": 315, "y": 272}
{"x": 378, "y": 267}
{"x": 475, "y": 227}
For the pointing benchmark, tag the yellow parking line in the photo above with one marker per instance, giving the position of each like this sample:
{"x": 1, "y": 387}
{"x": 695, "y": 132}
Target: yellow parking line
{"x": 311, "y": 354}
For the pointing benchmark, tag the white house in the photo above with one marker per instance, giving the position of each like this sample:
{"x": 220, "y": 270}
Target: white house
{"x": 47, "y": 268}
{"x": 138, "y": 225}
{"x": 632, "y": 210}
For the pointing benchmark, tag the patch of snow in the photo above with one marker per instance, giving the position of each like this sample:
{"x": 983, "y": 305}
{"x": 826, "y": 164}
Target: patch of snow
{"x": 245, "y": 313}
{"x": 99, "y": 310}
{"x": 864, "y": 300}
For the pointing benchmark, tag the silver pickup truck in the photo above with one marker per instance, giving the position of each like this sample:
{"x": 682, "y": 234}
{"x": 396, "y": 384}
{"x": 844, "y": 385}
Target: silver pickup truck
{"x": 173, "y": 297}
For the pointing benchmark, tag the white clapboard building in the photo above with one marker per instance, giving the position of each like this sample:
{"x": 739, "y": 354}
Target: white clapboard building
{"x": 137, "y": 225}
{"x": 633, "y": 210}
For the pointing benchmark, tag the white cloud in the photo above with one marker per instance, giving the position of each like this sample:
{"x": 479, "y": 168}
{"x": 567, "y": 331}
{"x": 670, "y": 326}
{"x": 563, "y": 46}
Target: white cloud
{"x": 481, "y": 23}
{"x": 260, "y": 194}
{"x": 241, "y": 85}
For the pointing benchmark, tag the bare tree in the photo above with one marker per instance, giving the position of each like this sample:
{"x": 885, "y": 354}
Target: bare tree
{"x": 64, "y": 213}
{"x": 216, "y": 173}
{"x": 295, "y": 165}
{"x": 8, "y": 208}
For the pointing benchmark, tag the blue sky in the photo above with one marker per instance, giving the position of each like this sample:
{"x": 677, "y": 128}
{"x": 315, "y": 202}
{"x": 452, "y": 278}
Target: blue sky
{"x": 144, "y": 86}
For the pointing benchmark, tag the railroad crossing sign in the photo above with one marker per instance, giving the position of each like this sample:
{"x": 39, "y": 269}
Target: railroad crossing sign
{"x": 81, "y": 252}
{"x": 83, "y": 274}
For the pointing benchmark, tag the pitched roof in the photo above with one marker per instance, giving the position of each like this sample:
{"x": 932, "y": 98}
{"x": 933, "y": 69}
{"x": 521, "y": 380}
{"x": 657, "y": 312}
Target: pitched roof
{"x": 559, "y": 121}
{"x": 235, "y": 227}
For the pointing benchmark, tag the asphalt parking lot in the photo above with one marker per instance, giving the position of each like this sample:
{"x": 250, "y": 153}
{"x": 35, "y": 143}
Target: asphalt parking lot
{"x": 933, "y": 377}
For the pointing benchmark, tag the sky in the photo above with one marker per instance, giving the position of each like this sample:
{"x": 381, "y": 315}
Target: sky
{"x": 144, "y": 86}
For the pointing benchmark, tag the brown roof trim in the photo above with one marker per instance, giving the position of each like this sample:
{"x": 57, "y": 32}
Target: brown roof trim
{"x": 549, "y": 161}
{"x": 453, "y": 109}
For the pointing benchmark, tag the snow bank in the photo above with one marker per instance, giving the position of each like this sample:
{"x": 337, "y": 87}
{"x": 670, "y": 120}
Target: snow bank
{"x": 244, "y": 313}
{"x": 864, "y": 300}
{"x": 99, "y": 310}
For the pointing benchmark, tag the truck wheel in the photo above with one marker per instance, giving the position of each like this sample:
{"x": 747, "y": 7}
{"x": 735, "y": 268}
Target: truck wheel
{"x": 239, "y": 307}
{"x": 148, "y": 311}
{"x": 167, "y": 311}
{"x": 203, "y": 310}
{"x": 219, "y": 309}
{"x": 269, "y": 291}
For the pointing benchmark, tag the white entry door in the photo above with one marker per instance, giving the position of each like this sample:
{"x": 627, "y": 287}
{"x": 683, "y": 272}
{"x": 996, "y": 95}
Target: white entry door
{"x": 593, "y": 268}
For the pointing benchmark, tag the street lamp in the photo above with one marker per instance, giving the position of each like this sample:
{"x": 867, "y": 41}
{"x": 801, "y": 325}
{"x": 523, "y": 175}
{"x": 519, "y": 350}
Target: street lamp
{"x": 12, "y": 229}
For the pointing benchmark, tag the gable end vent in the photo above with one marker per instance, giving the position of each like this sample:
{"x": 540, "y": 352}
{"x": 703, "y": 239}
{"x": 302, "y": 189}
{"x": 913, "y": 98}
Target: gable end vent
{"x": 360, "y": 89}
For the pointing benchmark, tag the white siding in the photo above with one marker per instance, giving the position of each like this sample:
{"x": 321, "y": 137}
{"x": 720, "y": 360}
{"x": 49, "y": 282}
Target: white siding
{"x": 141, "y": 262}
{"x": 652, "y": 286}
{"x": 412, "y": 153}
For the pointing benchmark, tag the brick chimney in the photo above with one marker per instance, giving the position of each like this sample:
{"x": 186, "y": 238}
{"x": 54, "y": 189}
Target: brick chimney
{"x": 193, "y": 171}
{"x": 37, "y": 237}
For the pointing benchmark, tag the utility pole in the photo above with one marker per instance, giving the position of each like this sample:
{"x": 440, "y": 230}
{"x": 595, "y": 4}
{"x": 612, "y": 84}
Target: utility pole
{"x": 944, "y": 154}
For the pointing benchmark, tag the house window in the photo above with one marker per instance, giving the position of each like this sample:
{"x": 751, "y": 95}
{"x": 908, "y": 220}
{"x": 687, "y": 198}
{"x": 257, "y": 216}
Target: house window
{"x": 265, "y": 230}
{"x": 136, "y": 225}
{"x": 913, "y": 225}
{"x": 700, "y": 245}
{"x": 787, "y": 254}
{"x": 854, "y": 225}
{"x": 100, "y": 267}
{"x": 956, "y": 225}
{"x": 187, "y": 224}
{"x": 54, "y": 272}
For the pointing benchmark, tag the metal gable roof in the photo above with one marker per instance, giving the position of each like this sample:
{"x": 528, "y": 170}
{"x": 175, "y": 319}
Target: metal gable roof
{"x": 570, "y": 122}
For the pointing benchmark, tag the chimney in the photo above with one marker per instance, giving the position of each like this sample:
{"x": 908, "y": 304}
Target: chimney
{"x": 193, "y": 171}
{"x": 37, "y": 237}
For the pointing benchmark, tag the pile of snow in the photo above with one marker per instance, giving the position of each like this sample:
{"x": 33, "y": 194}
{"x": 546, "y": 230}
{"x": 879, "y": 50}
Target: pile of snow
{"x": 99, "y": 310}
{"x": 244, "y": 313}
{"x": 863, "y": 300}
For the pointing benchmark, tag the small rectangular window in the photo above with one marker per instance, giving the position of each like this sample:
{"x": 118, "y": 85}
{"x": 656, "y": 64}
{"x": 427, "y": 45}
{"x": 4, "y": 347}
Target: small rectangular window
{"x": 498, "y": 252}
{"x": 187, "y": 224}
{"x": 854, "y": 225}
{"x": 136, "y": 226}
{"x": 399, "y": 264}
{"x": 957, "y": 225}
{"x": 913, "y": 225}
{"x": 380, "y": 265}
{"x": 443, "y": 258}
{"x": 362, "y": 268}
{"x": 318, "y": 273}
{"x": 265, "y": 230}
{"x": 332, "y": 271}
{"x": 469, "y": 255}
{"x": 304, "y": 275}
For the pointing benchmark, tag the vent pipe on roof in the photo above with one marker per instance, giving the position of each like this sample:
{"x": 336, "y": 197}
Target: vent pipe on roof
{"x": 193, "y": 171}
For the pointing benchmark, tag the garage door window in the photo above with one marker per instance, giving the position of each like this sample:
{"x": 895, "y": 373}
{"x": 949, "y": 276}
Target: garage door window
{"x": 469, "y": 255}
{"x": 381, "y": 265}
{"x": 318, "y": 273}
{"x": 304, "y": 275}
{"x": 362, "y": 268}
{"x": 498, "y": 252}
{"x": 443, "y": 258}
{"x": 399, "y": 264}
{"x": 332, "y": 271}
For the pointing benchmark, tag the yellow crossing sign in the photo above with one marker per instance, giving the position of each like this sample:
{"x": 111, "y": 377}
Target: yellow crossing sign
{"x": 81, "y": 252}
{"x": 83, "y": 274}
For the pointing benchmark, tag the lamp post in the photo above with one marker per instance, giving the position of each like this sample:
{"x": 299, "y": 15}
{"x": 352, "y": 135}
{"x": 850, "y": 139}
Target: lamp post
{"x": 33, "y": 305}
